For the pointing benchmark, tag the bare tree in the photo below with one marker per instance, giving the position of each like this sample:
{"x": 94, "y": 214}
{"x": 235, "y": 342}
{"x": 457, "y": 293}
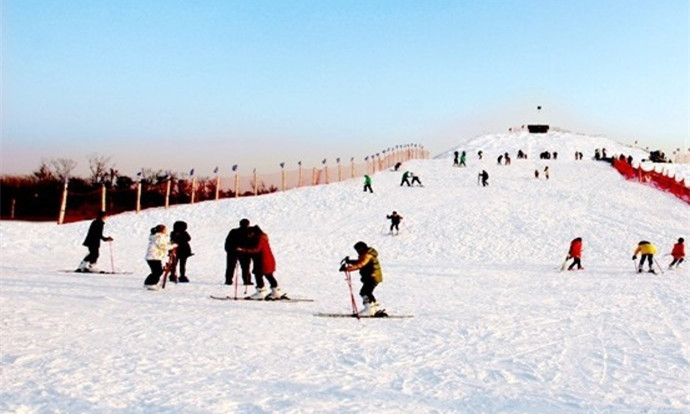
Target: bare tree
{"x": 99, "y": 165}
{"x": 44, "y": 172}
{"x": 63, "y": 167}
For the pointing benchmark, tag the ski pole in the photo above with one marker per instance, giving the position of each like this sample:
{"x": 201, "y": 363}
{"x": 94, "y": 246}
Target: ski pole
{"x": 112, "y": 262}
{"x": 659, "y": 266}
{"x": 237, "y": 282}
{"x": 348, "y": 278}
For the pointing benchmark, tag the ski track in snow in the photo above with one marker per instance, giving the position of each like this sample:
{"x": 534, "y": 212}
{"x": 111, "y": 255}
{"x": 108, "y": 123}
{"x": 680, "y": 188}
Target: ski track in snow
{"x": 497, "y": 327}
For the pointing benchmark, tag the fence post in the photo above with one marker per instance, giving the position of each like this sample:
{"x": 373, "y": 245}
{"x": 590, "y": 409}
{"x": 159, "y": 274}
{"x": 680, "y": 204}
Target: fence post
{"x": 237, "y": 185}
{"x": 256, "y": 184}
{"x": 352, "y": 167}
{"x": 299, "y": 179}
{"x": 63, "y": 202}
{"x": 103, "y": 191}
{"x": 138, "y": 208}
{"x": 168, "y": 183}
{"x": 282, "y": 176}
{"x": 193, "y": 190}
{"x": 217, "y": 187}
{"x": 14, "y": 202}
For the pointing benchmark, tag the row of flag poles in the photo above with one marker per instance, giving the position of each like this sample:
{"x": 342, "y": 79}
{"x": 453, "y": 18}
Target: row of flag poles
{"x": 376, "y": 162}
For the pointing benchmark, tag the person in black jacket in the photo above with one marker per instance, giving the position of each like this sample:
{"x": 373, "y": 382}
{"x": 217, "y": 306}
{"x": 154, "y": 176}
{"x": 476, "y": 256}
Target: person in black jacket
{"x": 395, "y": 221}
{"x": 181, "y": 238}
{"x": 93, "y": 243}
{"x": 238, "y": 237}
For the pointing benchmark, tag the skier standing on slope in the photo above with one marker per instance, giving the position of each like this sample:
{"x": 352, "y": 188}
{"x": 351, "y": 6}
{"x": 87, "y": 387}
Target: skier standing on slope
{"x": 678, "y": 253}
{"x": 647, "y": 250}
{"x": 367, "y": 183}
{"x": 264, "y": 265}
{"x": 575, "y": 253}
{"x": 484, "y": 176}
{"x": 93, "y": 243}
{"x": 405, "y": 179}
{"x": 237, "y": 237}
{"x": 395, "y": 218}
{"x": 463, "y": 159}
{"x": 370, "y": 271}
{"x": 180, "y": 237}
{"x": 157, "y": 250}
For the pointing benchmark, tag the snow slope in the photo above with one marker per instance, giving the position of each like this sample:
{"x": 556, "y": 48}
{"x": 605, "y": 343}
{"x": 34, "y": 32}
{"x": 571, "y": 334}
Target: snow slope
{"x": 497, "y": 327}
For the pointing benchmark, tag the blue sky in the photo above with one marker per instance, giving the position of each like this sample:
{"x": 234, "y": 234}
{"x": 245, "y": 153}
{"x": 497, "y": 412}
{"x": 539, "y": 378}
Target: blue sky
{"x": 197, "y": 84}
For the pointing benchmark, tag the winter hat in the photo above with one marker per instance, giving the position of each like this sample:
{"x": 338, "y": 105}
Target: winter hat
{"x": 361, "y": 246}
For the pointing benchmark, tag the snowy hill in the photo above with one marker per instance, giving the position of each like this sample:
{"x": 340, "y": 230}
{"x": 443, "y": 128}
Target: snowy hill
{"x": 496, "y": 327}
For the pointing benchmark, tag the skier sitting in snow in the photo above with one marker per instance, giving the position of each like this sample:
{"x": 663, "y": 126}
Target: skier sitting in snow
{"x": 157, "y": 250}
{"x": 395, "y": 221}
{"x": 575, "y": 253}
{"x": 264, "y": 265}
{"x": 678, "y": 253}
{"x": 647, "y": 250}
{"x": 93, "y": 243}
{"x": 370, "y": 271}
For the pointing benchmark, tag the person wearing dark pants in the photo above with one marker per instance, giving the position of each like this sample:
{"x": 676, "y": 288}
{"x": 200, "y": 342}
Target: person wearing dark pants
{"x": 370, "y": 271}
{"x": 93, "y": 243}
{"x": 647, "y": 250}
{"x": 238, "y": 238}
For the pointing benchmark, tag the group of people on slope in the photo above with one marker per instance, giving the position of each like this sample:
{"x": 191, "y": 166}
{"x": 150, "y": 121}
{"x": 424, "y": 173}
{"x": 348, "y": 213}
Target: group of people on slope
{"x": 245, "y": 244}
{"x": 646, "y": 249}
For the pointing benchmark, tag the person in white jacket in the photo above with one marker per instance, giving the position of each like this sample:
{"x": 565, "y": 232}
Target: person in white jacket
{"x": 156, "y": 252}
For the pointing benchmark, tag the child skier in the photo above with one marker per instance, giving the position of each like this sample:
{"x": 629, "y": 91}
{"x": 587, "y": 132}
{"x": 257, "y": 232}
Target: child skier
{"x": 180, "y": 237}
{"x": 678, "y": 253}
{"x": 395, "y": 218}
{"x": 415, "y": 179}
{"x": 575, "y": 253}
{"x": 647, "y": 250}
{"x": 157, "y": 250}
{"x": 371, "y": 275}
{"x": 93, "y": 243}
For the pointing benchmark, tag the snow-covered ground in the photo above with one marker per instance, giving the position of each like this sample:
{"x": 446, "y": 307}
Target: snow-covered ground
{"x": 496, "y": 327}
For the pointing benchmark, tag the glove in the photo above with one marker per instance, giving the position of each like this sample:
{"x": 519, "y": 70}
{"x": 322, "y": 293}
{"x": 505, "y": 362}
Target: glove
{"x": 343, "y": 267}
{"x": 108, "y": 239}
{"x": 634, "y": 257}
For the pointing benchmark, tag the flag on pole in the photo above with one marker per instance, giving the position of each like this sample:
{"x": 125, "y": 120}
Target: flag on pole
{"x": 324, "y": 161}
{"x": 215, "y": 170}
{"x": 234, "y": 167}
{"x": 191, "y": 172}
{"x": 282, "y": 165}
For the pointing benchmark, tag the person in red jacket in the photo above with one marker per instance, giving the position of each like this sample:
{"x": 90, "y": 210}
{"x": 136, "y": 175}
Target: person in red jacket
{"x": 575, "y": 253}
{"x": 678, "y": 253}
{"x": 264, "y": 265}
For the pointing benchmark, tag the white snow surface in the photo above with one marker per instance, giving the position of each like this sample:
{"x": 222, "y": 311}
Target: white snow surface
{"x": 496, "y": 328}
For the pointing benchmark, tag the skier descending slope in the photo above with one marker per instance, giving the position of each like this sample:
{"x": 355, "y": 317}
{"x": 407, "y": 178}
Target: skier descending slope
{"x": 647, "y": 250}
{"x": 370, "y": 271}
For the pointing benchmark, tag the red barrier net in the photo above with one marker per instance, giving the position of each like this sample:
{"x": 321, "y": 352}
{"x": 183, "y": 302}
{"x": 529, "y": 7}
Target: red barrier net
{"x": 655, "y": 179}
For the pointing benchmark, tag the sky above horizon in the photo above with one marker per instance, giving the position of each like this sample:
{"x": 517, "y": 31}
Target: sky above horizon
{"x": 176, "y": 85}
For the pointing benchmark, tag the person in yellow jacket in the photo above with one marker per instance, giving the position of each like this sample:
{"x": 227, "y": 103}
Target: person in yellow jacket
{"x": 647, "y": 250}
{"x": 370, "y": 271}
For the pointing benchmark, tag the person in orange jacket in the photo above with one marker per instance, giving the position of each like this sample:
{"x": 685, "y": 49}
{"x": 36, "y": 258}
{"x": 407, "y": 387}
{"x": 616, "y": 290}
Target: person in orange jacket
{"x": 575, "y": 253}
{"x": 678, "y": 253}
{"x": 264, "y": 265}
{"x": 647, "y": 250}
